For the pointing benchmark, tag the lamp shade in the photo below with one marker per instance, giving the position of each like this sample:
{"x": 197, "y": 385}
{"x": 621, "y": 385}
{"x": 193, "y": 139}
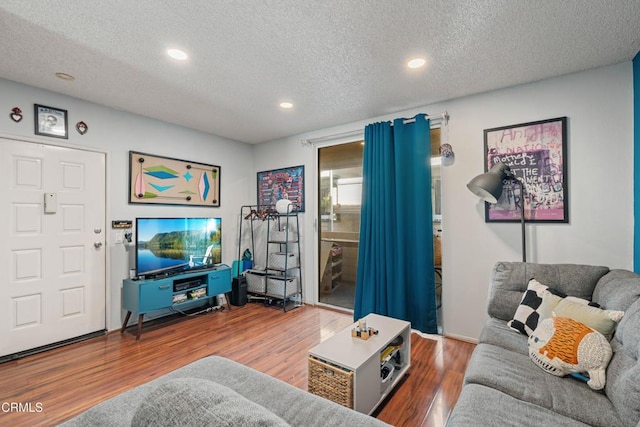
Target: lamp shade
{"x": 488, "y": 186}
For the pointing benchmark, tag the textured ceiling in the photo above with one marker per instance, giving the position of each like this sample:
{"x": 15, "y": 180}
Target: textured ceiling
{"x": 338, "y": 61}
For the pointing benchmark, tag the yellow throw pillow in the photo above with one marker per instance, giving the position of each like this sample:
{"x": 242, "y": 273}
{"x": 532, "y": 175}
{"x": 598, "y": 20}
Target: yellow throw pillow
{"x": 603, "y": 321}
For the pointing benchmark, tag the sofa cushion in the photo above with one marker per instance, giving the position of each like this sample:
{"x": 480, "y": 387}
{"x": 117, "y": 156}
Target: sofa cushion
{"x": 483, "y": 406}
{"x": 515, "y": 375}
{"x": 496, "y": 332}
{"x": 293, "y": 405}
{"x": 509, "y": 280}
{"x": 198, "y": 402}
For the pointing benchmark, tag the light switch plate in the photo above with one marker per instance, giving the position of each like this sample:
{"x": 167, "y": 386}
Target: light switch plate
{"x": 50, "y": 203}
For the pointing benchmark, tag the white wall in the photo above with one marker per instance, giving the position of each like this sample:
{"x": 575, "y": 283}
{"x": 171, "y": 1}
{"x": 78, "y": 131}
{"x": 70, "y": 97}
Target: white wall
{"x": 598, "y": 104}
{"x": 117, "y": 132}
{"x": 599, "y": 107}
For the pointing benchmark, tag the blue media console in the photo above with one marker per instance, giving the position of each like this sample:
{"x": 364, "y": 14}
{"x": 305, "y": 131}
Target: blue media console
{"x": 146, "y": 295}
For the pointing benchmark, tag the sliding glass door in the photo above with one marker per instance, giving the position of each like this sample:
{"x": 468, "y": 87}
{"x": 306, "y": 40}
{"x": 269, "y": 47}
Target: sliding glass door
{"x": 339, "y": 196}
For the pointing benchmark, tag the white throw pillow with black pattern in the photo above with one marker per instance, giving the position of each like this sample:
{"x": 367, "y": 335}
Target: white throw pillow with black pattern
{"x": 526, "y": 318}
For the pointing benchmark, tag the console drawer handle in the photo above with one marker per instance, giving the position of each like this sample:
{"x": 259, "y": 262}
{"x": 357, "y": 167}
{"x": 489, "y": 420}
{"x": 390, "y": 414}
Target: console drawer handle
{"x": 163, "y": 286}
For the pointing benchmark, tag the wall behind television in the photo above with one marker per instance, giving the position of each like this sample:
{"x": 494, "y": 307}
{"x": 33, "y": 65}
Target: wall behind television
{"x": 116, "y": 133}
{"x": 599, "y": 107}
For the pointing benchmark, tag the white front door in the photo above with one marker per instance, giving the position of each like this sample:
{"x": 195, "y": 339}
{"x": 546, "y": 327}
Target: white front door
{"x": 52, "y": 244}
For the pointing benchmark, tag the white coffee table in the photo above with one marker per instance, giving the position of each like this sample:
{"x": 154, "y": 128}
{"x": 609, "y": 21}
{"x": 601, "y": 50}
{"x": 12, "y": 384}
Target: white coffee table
{"x": 343, "y": 361}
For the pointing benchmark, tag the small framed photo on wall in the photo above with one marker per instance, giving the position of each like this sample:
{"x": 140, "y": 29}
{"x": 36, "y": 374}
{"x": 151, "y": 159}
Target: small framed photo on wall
{"x": 49, "y": 121}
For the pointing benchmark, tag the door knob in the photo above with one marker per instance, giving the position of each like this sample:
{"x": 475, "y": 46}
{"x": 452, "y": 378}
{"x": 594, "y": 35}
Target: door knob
{"x": 97, "y": 245}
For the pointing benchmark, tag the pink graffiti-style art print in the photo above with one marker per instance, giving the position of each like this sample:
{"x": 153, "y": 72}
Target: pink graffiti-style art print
{"x": 535, "y": 152}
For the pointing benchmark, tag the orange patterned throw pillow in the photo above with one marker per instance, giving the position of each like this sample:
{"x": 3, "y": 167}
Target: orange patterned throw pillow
{"x": 561, "y": 346}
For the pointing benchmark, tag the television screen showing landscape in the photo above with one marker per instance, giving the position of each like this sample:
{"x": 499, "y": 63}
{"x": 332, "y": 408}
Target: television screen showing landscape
{"x": 177, "y": 243}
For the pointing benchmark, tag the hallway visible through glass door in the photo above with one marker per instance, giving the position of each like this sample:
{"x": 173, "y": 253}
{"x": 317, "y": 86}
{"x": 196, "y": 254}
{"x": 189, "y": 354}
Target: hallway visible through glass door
{"x": 339, "y": 193}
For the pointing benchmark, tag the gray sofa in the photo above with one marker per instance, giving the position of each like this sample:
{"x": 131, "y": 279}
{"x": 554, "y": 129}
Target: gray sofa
{"x": 503, "y": 387}
{"x": 218, "y": 391}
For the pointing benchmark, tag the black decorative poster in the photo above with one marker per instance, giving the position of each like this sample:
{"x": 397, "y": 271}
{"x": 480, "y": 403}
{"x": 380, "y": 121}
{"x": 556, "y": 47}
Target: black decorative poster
{"x": 286, "y": 183}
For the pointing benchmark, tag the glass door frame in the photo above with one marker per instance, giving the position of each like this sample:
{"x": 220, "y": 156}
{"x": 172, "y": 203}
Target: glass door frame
{"x": 338, "y": 140}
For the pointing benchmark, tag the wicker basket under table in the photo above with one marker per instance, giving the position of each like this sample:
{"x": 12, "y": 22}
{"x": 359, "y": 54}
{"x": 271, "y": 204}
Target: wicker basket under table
{"x": 330, "y": 382}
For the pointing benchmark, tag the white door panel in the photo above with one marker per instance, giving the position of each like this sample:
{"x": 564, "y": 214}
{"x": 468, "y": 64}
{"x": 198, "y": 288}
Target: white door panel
{"x": 53, "y": 276}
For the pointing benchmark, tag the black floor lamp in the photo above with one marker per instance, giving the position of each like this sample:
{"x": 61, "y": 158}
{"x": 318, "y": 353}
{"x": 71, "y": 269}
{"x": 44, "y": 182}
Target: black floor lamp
{"x": 488, "y": 186}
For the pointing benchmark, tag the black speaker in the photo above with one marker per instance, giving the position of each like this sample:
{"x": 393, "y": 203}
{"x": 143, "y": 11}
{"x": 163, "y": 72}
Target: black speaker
{"x": 239, "y": 291}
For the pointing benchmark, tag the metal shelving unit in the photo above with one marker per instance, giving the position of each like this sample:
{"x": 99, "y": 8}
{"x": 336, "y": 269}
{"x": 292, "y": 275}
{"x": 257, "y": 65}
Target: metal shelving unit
{"x": 284, "y": 271}
{"x": 279, "y": 283}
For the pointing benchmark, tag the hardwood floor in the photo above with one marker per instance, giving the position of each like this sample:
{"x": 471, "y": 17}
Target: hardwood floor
{"x": 58, "y": 384}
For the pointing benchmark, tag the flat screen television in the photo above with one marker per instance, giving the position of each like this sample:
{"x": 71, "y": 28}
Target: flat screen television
{"x": 171, "y": 245}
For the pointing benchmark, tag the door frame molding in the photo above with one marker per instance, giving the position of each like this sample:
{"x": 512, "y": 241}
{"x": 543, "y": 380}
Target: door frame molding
{"x": 107, "y": 158}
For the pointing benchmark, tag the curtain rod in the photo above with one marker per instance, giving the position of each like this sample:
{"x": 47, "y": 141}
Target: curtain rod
{"x": 440, "y": 119}
{"x": 349, "y": 134}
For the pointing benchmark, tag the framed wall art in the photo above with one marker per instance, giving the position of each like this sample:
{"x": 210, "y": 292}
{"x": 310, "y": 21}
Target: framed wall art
{"x": 49, "y": 121}
{"x": 537, "y": 154}
{"x": 164, "y": 180}
{"x": 285, "y": 183}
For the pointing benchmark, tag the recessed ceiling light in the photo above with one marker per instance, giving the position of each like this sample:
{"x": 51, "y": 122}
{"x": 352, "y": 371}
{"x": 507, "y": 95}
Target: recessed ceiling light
{"x": 178, "y": 54}
{"x": 416, "y": 63}
{"x": 65, "y": 76}
{"x": 286, "y": 105}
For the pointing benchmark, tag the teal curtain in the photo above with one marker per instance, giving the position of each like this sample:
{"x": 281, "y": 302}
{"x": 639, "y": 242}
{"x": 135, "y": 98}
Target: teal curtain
{"x": 395, "y": 257}
{"x": 636, "y": 163}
